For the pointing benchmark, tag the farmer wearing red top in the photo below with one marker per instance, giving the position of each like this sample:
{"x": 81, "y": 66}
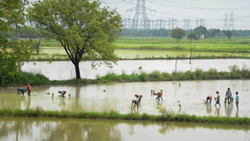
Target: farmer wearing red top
{"x": 28, "y": 88}
{"x": 209, "y": 98}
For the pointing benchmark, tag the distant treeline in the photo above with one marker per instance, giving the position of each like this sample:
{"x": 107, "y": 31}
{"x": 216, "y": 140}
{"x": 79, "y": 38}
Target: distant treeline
{"x": 210, "y": 33}
{"x": 33, "y": 32}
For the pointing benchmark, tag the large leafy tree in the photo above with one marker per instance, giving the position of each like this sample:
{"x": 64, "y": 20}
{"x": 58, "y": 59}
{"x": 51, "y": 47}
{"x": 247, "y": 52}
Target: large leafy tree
{"x": 82, "y": 27}
{"x": 201, "y": 30}
{"x": 178, "y": 34}
{"x": 11, "y": 52}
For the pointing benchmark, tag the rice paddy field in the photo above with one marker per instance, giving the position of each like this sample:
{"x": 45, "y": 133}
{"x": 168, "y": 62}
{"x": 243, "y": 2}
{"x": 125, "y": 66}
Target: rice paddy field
{"x": 180, "y": 97}
{"x": 153, "y": 48}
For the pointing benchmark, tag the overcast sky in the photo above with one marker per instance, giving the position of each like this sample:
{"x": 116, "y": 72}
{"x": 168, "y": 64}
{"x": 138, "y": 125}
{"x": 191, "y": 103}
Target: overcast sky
{"x": 212, "y": 11}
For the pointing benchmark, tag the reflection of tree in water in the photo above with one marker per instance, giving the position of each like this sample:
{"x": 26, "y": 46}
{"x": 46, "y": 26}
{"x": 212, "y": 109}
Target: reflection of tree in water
{"x": 247, "y": 137}
{"x": 75, "y": 131}
{"x": 228, "y": 109}
{"x": 20, "y": 127}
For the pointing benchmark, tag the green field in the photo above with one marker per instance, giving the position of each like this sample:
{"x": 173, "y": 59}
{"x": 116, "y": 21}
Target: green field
{"x": 203, "y": 45}
{"x": 160, "y": 48}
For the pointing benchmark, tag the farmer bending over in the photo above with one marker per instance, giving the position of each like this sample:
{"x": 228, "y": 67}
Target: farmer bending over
{"x": 20, "y": 91}
{"x": 63, "y": 92}
{"x": 159, "y": 95}
{"x": 209, "y": 98}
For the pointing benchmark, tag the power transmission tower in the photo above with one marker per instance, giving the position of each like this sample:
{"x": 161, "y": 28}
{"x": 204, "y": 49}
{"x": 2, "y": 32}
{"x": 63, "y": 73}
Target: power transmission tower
{"x": 186, "y": 24}
{"x": 140, "y": 20}
{"x": 231, "y": 22}
{"x": 225, "y": 23}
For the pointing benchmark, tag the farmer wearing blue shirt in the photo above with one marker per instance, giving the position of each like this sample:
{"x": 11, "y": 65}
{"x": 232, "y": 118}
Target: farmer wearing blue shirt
{"x": 237, "y": 100}
{"x": 20, "y": 91}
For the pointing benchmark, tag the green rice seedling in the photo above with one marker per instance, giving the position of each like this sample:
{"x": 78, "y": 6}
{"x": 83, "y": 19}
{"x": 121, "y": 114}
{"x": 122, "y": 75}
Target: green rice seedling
{"x": 34, "y": 63}
{"x": 69, "y": 95}
{"x": 179, "y": 106}
{"x": 50, "y": 61}
{"x": 104, "y": 90}
{"x": 140, "y": 68}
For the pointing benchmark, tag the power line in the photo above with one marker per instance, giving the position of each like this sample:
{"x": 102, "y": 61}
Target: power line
{"x": 206, "y": 8}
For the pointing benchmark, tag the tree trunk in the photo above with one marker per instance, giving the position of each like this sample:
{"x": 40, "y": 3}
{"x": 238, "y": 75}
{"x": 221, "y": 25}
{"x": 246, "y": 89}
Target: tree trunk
{"x": 78, "y": 74}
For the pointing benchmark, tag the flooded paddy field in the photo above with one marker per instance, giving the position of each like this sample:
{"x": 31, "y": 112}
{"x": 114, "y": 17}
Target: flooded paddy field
{"x": 118, "y": 97}
{"x": 63, "y": 70}
{"x": 52, "y": 129}
{"x": 130, "y": 54}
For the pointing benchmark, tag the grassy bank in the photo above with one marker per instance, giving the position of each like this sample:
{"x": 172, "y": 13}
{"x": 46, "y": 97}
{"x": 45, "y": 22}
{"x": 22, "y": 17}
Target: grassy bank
{"x": 198, "y": 74}
{"x": 59, "y": 57}
{"x": 131, "y": 116}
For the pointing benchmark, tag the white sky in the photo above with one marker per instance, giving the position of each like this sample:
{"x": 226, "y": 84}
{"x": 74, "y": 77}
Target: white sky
{"x": 212, "y": 11}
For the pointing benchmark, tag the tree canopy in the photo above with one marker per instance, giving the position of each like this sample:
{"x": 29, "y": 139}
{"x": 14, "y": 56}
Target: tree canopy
{"x": 11, "y": 52}
{"x": 82, "y": 27}
{"x": 228, "y": 34}
{"x": 191, "y": 36}
{"x": 201, "y": 30}
{"x": 178, "y": 34}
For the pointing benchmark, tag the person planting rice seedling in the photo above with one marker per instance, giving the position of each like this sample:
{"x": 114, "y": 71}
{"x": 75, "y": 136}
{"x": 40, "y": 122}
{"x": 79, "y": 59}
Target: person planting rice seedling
{"x": 159, "y": 95}
{"x": 209, "y": 99}
{"x": 62, "y": 93}
{"x": 28, "y": 89}
{"x": 137, "y": 101}
{"x": 228, "y": 96}
{"x": 20, "y": 91}
{"x": 217, "y": 99}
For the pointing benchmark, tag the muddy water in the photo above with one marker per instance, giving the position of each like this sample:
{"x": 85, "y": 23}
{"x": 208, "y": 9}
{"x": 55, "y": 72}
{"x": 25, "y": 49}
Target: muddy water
{"x": 50, "y": 129}
{"x": 147, "y": 53}
{"x": 64, "y": 70}
{"x": 118, "y": 96}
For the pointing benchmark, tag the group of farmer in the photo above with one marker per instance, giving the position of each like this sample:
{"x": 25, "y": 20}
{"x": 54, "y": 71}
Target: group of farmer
{"x": 228, "y": 98}
{"x": 22, "y": 90}
{"x": 137, "y": 101}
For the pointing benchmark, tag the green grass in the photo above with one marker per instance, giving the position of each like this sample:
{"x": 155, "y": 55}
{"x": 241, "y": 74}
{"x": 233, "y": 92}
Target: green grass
{"x": 52, "y": 50}
{"x": 38, "y": 112}
{"x": 202, "y": 45}
{"x": 198, "y": 74}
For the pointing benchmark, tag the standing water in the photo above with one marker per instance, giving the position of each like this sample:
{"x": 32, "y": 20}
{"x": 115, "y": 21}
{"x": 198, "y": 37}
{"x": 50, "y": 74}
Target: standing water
{"x": 63, "y": 70}
{"x": 118, "y": 97}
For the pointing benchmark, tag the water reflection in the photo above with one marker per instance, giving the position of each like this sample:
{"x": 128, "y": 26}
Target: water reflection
{"x": 217, "y": 111}
{"x": 208, "y": 108}
{"x": 50, "y": 129}
{"x": 117, "y": 97}
{"x": 228, "y": 109}
{"x": 130, "y": 66}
